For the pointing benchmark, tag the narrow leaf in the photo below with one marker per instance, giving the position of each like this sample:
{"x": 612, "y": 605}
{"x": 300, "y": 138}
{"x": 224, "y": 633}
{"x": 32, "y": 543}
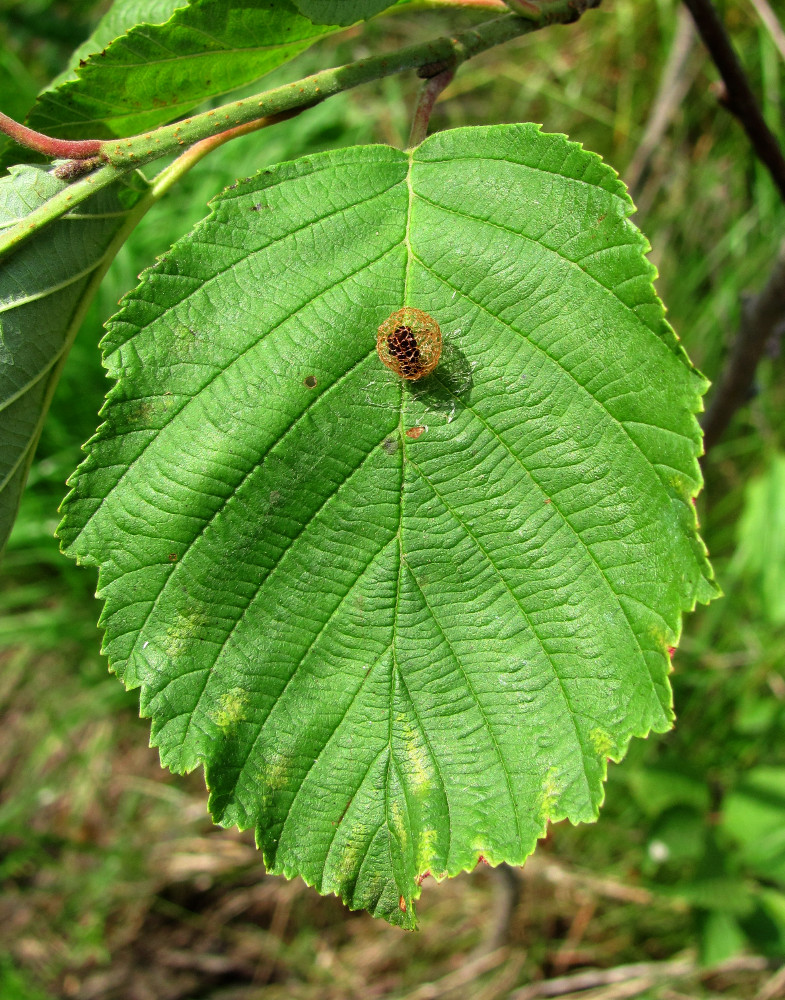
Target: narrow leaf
{"x": 402, "y": 624}
{"x": 45, "y": 289}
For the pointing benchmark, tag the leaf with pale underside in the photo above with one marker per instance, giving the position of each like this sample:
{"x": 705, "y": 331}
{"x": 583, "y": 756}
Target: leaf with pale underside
{"x": 400, "y": 624}
{"x": 45, "y": 288}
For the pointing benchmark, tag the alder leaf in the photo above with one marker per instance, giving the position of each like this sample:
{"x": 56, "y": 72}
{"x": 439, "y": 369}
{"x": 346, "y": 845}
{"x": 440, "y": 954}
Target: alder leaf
{"x": 156, "y": 72}
{"x": 45, "y": 289}
{"x": 401, "y": 624}
{"x": 121, "y": 17}
{"x": 341, "y": 12}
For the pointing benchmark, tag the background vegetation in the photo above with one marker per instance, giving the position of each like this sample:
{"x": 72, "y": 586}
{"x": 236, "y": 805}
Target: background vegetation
{"x": 115, "y": 884}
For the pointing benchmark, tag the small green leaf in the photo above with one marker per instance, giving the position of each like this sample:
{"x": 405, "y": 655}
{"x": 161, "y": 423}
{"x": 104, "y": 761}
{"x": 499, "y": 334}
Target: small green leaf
{"x": 401, "y": 624}
{"x": 157, "y": 72}
{"x": 754, "y": 815}
{"x": 45, "y": 288}
{"x": 761, "y": 551}
{"x": 341, "y": 11}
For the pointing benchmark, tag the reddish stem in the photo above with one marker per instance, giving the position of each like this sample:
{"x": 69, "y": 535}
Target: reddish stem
{"x": 65, "y": 149}
{"x": 427, "y": 98}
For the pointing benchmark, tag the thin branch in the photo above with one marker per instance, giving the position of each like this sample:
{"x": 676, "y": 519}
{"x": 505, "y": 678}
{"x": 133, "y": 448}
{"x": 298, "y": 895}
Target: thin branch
{"x": 64, "y": 149}
{"x": 448, "y": 51}
{"x": 171, "y": 174}
{"x": 674, "y": 84}
{"x": 772, "y": 988}
{"x": 763, "y": 317}
{"x": 648, "y": 972}
{"x": 592, "y": 978}
{"x": 460, "y": 979}
{"x": 126, "y": 154}
{"x": 739, "y": 97}
{"x": 429, "y": 93}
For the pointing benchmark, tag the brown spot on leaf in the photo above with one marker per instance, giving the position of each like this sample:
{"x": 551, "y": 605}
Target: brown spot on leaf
{"x": 172, "y": 557}
{"x": 309, "y": 381}
{"x": 402, "y": 904}
{"x": 415, "y": 432}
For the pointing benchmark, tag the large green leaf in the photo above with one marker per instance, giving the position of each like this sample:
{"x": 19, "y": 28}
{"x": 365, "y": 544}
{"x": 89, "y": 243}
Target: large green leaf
{"x": 402, "y": 625}
{"x": 157, "y": 72}
{"x": 45, "y": 288}
{"x": 341, "y": 11}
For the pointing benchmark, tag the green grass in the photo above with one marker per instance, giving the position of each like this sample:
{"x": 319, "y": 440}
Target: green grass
{"x": 110, "y": 867}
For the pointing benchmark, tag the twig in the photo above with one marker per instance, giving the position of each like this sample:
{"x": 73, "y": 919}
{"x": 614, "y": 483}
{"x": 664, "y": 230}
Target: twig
{"x": 592, "y": 978}
{"x": 631, "y": 989}
{"x": 641, "y": 974}
{"x": 773, "y": 988}
{"x": 506, "y": 896}
{"x": 762, "y": 318}
{"x": 468, "y": 973}
{"x": 557, "y": 874}
{"x": 185, "y": 161}
{"x": 429, "y": 93}
{"x": 448, "y": 51}
{"x": 64, "y": 149}
{"x": 674, "y": 84}
{"x": 739, "y": 98}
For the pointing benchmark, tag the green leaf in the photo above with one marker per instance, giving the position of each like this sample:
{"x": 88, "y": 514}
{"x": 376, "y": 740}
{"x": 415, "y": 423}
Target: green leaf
{"x": 657, "y": 788}
{"x": 121, "y": 17}
{"x": 157, "y": 72}
{"x": 761, "y": 549}
{"x": 721, "y": 937}
{"x": 402, "y": 625}
{"x": 45, "y": 289}
{"x": 341, "y": 11}
{"x": 754, "y": 815}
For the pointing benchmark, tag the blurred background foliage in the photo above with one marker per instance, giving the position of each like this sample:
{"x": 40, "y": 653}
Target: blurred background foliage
{"x": 115, "y": 884}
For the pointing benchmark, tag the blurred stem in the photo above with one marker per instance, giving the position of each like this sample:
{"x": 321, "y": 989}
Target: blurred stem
{"x": 429, "y": 93}
{"x": 498, "y": 5}
{"x": 763, "y": 317}
{"x": 440, "y": 53}
{"x": 738, "y": 98}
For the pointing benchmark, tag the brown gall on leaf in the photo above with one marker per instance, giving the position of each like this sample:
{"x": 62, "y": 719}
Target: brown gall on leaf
{"x": 409, "y": 342}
